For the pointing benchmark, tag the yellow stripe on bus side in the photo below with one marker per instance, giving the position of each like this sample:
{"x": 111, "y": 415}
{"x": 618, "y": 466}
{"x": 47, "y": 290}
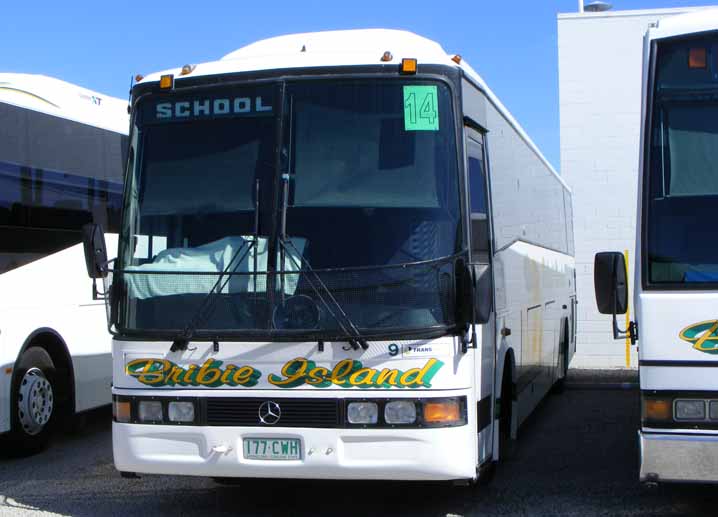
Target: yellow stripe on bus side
{"x": 628, "y": 314}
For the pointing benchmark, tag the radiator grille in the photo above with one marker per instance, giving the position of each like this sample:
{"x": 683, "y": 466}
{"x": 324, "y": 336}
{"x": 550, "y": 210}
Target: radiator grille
{"x": 295, "y": 412}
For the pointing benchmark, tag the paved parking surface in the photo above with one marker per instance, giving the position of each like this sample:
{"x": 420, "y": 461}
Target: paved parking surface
{"x": 576, "y": 456}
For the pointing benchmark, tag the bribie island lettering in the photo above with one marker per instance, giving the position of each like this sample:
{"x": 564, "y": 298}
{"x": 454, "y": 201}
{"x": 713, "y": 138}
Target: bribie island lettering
{"x": 161, "y": 372}
{"x": 350, "y": 373}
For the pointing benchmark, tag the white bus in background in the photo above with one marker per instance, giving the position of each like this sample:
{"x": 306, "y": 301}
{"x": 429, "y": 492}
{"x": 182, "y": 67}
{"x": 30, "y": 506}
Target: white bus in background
{"x": 61, "y": 152}
{"x": 676, "y": 268}
{"x": 341, "y": 257}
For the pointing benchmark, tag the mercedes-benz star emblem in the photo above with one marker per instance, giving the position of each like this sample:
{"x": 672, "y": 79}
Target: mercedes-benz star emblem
{"x": 269, "y": 412}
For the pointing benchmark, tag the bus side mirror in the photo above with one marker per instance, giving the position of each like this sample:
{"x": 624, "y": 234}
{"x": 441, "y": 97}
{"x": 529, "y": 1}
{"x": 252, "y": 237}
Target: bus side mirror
{"x": 483, "y": 293}
{"x": 609, "y": 280}
{"x": 93, "y": 240}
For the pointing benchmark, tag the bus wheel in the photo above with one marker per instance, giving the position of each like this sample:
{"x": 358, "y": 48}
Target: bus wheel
{"x": 34, "y": 408}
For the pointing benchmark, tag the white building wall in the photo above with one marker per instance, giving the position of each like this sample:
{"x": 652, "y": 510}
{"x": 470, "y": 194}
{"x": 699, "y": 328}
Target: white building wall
{"x": 600, "y": 58}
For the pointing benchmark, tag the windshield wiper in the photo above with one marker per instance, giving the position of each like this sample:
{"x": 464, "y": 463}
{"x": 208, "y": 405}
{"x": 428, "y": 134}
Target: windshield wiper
{"x": 354, "y": 337}
{"x": 207, "y": 305}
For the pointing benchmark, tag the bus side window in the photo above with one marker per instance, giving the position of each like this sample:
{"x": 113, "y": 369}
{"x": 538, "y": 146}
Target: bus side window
{"x": 480, "y": 244}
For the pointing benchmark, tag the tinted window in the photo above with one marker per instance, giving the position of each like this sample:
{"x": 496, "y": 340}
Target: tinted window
{"x": 682, "y": 170}
{"x": 42, "y": 211}
{"x": 479, "y": 204}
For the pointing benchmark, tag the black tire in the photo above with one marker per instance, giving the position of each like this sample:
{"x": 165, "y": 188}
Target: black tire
{"x": 34, "y": 411}
{"x": 507, "y": 444}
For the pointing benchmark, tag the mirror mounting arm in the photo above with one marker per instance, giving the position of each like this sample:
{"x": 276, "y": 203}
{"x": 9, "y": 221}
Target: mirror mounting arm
{"x": 466, "y": 341}
{"x": 631, "y": 332}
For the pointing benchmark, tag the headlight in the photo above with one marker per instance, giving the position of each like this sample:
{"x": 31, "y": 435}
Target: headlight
{"x": 714, "y": 410}
{"x": 362, "y": 413}
{"x": 690, "y": 410}
{"x": 180, "y": 411}
{"x": 400, "y": 412}
{"x": 149, "y": 411}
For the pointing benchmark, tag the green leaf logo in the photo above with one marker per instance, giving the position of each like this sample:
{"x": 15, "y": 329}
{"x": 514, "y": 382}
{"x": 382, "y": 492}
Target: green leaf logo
{"x": 703, "y": 336}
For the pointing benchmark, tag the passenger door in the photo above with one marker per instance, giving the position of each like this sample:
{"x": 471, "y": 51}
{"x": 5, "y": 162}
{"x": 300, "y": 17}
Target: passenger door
{"x": 480, "y": 258}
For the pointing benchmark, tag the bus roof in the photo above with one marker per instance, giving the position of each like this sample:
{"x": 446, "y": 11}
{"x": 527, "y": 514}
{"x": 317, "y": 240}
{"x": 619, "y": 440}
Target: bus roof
{"x": 701, "y": 20}
{"x": 61, "y": 99}
{"x": 345, "y": 48}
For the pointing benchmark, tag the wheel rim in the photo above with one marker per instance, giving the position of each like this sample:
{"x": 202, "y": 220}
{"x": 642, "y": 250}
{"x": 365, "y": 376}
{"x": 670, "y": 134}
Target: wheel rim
{"x": 35, "y": 401}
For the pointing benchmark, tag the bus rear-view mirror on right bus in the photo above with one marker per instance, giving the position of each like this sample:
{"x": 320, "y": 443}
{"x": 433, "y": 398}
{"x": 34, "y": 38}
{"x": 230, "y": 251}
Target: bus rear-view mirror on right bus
{"x": 609, "y": 278}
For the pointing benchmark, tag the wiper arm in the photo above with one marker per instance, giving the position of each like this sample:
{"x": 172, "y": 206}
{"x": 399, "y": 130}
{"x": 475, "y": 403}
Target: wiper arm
{"x": 354, "y": 336}
{"x": 207, "y": 304}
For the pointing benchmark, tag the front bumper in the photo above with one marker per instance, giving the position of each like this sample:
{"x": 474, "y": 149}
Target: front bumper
{"x": 670, "y": 457}
{"x": 400, "y": 454}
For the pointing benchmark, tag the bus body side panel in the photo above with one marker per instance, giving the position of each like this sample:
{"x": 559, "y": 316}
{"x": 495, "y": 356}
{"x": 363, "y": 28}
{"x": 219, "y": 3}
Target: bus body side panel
{"x": 533, "y": 262}
{"x": 67, "y": 309}
{"x": 61, "y": 149}
{"x": 673, "y": 355}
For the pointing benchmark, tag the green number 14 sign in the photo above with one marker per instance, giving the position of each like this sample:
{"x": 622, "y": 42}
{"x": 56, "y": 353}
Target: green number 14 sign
{"x": 421, "y": 108}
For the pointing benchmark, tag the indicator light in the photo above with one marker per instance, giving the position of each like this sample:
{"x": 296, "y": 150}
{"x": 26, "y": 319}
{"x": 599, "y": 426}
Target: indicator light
{"x": 697, "y": 58}
{"x": 657, "y": 410}
{"x": 167, "y": 81}
{"x": 442, "y": 412}
{"x": 121, "y": 411}
{"x": 408, "y": 66}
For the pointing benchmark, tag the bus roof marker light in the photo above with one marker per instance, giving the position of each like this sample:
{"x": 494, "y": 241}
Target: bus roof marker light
{"x": 139, "y": 77}
{"x": 408, "y": 65}
{"x": 697, "y": 58}
{"x": 387, "y": 56}
{"x": 187, "y": 69}
{"x": 167, "y": 81}
{"x": 456, "y": 58}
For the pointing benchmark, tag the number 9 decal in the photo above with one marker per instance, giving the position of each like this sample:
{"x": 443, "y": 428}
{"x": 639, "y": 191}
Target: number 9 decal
{"x": 393, "y": 349}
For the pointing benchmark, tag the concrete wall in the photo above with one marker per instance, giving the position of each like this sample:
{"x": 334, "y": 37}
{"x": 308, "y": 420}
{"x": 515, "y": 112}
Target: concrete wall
{"x": 600, "y": 59}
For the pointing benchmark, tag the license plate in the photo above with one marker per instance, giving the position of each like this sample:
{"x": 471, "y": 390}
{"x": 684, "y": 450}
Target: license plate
{"x": 272, "y": 449}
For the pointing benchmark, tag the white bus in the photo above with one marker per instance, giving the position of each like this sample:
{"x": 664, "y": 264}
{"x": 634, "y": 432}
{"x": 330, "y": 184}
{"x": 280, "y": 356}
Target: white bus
{"x": 340, "y": 257}
{"x": 676, "y": 268}
{"x": 60, "y": 168}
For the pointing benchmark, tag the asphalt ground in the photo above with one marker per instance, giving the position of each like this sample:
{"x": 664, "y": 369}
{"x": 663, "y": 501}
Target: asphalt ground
{"x": 577, "y": 455}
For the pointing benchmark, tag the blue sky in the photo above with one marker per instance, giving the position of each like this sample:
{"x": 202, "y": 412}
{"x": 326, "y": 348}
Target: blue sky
{"x": 101, "y": 45}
